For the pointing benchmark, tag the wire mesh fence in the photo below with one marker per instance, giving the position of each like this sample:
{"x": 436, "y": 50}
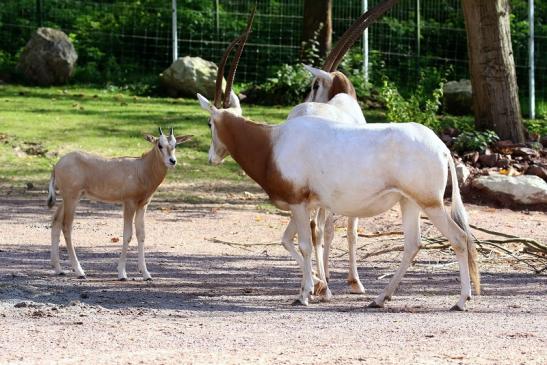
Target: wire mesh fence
{"x": 117, "y": 40}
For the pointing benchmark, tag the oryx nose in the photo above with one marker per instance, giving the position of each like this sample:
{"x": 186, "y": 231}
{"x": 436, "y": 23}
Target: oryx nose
{"x": 173, "y": 161}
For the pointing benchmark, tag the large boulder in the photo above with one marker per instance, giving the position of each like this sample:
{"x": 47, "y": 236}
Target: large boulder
{"x": 48, "y": 58}
{"x": 190, "y": 75}
{"x": 525, "y": 189}
{"x": 458, "y": 97}
{"x": 462, "y": 173}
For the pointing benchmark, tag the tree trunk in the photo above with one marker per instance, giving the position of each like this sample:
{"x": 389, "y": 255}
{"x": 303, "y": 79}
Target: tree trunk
{"x": 492, "y": 68}
{"x": 317, "y": 12}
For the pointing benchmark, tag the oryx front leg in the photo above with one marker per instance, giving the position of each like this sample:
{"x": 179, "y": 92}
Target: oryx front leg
{"x": 139, "y": 228}
{"x": 301, "y": 217}
{"x": 128, "y": 215}
{"x": 411, "y": 228}
{"x": 321, "y": 288}
{"x": 355, "y": 286}
{"x": 329, "y": 236}
{"x": 69, "y": 209}
{"x": 458, "y": 239}
{"x": 287, "y": 241}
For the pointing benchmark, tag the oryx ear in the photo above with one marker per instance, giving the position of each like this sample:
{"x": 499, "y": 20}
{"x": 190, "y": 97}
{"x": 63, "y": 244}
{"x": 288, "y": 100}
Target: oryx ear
{"x": 206, "y": 104}
{"x": 182, "y": 139}
{"x": 320, "y": 74}
{"x": 150, "y": 138}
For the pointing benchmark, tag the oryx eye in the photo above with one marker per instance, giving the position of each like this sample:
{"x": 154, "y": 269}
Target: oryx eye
{"x": 160, "y": 146}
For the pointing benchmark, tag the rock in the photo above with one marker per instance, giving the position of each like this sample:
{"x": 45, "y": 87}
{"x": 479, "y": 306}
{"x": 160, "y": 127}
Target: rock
{"x": 537, "y": 170}
{"x": 21, "y": 305}
{"x": 48, "y": 58}
{"x": 525, "y": 189}
{"x": 462, "y": 173}
{"x": 525, "y": 152}
{"x": 504, "y": 162}
{"x": 447, "y": 139}
{"x": 458, "y": 97}
{"x": 190, "y": 75}
{"x": 489, "y": 160}
{"x": 471, "y": 157}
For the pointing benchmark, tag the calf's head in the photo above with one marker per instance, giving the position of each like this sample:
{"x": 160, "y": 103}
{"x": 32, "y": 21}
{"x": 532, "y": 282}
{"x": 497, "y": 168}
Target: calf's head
{"x": 165, "y": 146}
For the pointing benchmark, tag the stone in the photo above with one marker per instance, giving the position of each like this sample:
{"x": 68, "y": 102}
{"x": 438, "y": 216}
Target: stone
{"x": 537, "y": 170}
{"x": 525, "y": 152}
{"x": 49, "y": 58}
{"x": 471, "y": 157}
{"x": 489, "y": 160}
{"x": 190, "y": 75}
{"x": 524, "y": 189}
{"x": 458, "y": 97}
{"x": 462, "y": 173}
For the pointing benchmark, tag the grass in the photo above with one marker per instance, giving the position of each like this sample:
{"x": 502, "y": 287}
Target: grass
{"x": 109, "y": 123}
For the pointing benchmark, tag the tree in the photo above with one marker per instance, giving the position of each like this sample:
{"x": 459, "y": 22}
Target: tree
{"x": 318, "y": 15}
{"x": 492, "y": 68}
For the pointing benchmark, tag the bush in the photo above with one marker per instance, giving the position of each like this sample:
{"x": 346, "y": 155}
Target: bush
{"x": 420, "y": 107}
{"x": 289, "y": 85}
{"x": 474, "y": 141}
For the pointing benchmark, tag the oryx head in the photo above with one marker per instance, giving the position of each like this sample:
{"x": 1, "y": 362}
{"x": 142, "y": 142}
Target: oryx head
{"x": 328, "y": 82}
{"x": 230, "y": 102}
{"x": 165, "y": 145}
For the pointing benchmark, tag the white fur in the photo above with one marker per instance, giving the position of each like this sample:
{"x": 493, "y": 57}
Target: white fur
{"x": 363, "y": 170}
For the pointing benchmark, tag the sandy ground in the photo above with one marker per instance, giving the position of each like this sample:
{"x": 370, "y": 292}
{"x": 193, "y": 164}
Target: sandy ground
{"x": 214, "y": 302}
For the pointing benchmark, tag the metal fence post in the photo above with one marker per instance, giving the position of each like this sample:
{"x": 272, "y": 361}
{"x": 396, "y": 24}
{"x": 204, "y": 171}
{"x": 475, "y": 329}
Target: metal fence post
{"x": 364, "y": 8}
{"x": 40, "y": 12}
{"x": 418, "y": 39}
{"x": 174, "y": 31}
{"x": 531, "y": 70}
{"x": 217, "y": 18}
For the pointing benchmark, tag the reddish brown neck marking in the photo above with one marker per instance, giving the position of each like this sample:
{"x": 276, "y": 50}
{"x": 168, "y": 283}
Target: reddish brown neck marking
{"x": 251, "y": 145}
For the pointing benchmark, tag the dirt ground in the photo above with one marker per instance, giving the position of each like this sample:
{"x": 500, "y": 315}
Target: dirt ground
{"x": 223, "y": 286}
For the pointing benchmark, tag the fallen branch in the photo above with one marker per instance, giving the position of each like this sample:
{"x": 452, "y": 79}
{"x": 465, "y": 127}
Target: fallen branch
{"x": 243, "y": 246}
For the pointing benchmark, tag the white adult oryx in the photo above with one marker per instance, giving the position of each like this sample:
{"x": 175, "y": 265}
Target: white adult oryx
{"x": 353, "y": 170}
{"x": 356, "y": 171}
{"x": 130, "y": 181}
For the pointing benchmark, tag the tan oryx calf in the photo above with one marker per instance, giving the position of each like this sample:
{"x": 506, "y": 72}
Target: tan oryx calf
{"x": 127, "y": 180}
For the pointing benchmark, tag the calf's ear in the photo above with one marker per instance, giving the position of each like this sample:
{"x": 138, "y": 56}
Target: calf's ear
{"x": 182, "y": 139}
{"x": 150, "y": 138}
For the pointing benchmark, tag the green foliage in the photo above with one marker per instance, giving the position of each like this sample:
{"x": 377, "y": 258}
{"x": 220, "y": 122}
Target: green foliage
{"x": 310, "y": 49}
{"x": 289, "y": 86}
{"x": 420, "y": 107}
{"x": 536, "y": 126}
{"x": 474, "y": 141}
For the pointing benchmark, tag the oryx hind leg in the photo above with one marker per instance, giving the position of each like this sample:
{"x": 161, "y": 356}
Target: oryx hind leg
{"x": 56, "y": 226}
{"x": 411, "y": 227}
{"x": 458, "y": 239}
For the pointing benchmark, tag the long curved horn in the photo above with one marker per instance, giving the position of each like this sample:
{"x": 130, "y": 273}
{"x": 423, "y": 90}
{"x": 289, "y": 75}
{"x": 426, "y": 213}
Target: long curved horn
{"x": 235, "y": 62}
{"x": 220, "y": 72}
{"x": 353, "y": 33}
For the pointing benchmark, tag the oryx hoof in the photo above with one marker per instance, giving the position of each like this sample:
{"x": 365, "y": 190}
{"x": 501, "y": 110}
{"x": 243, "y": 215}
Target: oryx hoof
{"x": 457, "y": 308}
{"x": 373, "y": 304}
